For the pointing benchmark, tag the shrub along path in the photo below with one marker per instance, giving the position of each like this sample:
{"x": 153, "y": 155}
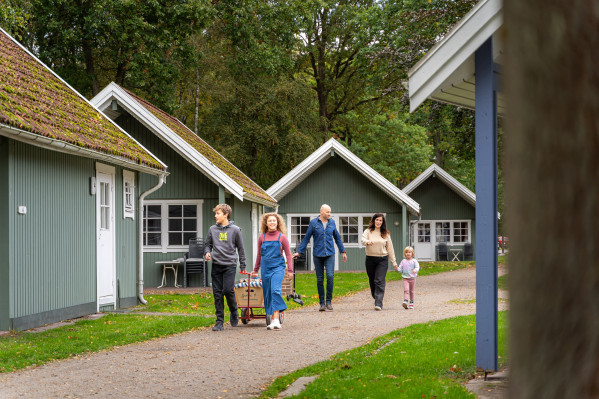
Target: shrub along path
{"x": 238, "y": 362}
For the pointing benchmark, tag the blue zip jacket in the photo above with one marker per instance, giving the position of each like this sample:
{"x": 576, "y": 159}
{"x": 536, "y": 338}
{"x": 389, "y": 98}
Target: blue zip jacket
{"x": 323, "y": 239}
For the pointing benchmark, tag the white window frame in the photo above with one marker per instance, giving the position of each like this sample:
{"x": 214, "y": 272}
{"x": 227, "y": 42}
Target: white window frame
{"x": 128, "y": 192}
{"x": 451, "y": 228}
{"x": 298, "y": 215}
{"x": 164, "y": 248}
{"x": 336, "y": 217}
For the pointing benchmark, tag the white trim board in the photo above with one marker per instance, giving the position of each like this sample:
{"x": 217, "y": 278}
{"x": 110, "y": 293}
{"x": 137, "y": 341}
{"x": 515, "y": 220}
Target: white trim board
{"x": 320, "y": 156}
{"x": 446, "y": 178}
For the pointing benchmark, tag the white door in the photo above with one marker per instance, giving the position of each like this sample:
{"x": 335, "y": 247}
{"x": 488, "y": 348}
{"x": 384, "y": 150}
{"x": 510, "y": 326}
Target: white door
{"x": 106, "y": 262}
{"x": 424, "y": 247}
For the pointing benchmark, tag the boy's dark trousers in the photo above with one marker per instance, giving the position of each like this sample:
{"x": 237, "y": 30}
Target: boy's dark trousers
{"x": 223, "y": 285}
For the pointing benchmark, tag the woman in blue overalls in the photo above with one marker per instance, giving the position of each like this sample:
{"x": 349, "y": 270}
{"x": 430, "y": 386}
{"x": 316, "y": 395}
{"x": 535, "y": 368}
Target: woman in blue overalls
{"x": 273, "y": 244}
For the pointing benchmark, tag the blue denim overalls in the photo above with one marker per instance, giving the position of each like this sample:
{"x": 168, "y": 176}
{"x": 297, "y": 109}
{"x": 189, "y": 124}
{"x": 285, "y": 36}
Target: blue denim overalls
{"x": 273, "y": 272}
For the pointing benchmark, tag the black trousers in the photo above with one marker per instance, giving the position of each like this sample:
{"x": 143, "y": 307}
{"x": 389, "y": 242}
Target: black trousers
{"x": 223, "y": 286}
{"x": 376, "y": 268}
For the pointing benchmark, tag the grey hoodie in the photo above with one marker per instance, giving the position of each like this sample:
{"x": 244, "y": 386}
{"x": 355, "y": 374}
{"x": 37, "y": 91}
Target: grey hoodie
{"x": 222, "y": 241}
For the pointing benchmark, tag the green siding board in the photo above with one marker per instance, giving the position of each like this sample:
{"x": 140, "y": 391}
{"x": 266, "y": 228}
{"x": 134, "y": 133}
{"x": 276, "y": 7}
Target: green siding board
{"x": 243, "y": 220}
{"x": 4, "y": 236}
{"x": 346, "y": 191}
{"x": 439, "y": 202}
{"x": 126, "y": 231}
{"x": 183, "y": 182}
{"x": 53, "y": 265}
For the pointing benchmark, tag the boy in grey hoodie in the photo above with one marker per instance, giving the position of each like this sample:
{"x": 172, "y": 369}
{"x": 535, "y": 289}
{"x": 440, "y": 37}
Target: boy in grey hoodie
{"x": 223, "y": 246}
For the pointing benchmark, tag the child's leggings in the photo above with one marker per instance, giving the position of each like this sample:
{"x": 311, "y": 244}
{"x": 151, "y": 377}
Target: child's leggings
{"x": 408, "y": 288}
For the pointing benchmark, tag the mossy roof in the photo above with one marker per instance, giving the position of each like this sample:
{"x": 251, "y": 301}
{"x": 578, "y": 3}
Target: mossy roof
{"x": 206, "y": 150}
{"x": 34, "y": 99}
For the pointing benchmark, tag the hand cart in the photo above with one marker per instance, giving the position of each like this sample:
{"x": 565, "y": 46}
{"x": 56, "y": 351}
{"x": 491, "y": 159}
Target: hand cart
{"x": 249, "y": 296}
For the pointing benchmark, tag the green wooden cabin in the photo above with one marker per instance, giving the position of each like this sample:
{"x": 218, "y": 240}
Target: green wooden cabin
{"x": 68, "y": 199}
{"x": 448, "y": 214}
{"x": 199, "y": 179}
{"x": 333, "y": 175}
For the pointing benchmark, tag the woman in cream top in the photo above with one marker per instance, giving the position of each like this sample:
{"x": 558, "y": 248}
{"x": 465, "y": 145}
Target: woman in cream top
{"x": 379, "y": 251}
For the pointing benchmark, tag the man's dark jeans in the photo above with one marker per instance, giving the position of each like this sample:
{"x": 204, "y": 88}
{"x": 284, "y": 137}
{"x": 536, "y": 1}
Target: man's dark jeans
{"x": 376, "y": 268}
{"x": 320, "y": 264}
{"x": 223, "y": 285}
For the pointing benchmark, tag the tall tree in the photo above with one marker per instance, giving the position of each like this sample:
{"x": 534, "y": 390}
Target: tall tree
{"x": 138, "y": 44}
{"x": 552, "y": 94}
{"x": 15, "y": 16}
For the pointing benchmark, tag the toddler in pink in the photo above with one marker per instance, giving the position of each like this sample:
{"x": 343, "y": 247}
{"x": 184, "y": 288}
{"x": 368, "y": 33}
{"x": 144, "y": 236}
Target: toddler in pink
{"x": 408, "y": 268}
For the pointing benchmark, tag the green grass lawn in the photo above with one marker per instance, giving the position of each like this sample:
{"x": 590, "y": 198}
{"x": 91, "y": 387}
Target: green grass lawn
{"x": 20, "y": 349}
{"x": 430, "y": 360}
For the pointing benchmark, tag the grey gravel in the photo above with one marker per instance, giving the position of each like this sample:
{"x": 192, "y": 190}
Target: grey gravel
{"x": 240, "y": 362}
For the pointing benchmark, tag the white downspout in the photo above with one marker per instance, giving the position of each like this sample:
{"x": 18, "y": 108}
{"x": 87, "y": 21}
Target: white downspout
{"x": 140, "y": 243}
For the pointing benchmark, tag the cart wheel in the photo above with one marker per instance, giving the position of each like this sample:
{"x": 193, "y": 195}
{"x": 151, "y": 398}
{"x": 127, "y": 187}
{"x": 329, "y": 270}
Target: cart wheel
{"x": 281, "y": 317}
{"x": 267, "y": 319}
{"x": 244, "y": 313}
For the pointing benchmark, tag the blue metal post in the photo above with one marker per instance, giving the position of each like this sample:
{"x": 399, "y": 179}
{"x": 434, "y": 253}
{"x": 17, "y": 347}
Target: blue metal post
{"x": 486, "y": 209}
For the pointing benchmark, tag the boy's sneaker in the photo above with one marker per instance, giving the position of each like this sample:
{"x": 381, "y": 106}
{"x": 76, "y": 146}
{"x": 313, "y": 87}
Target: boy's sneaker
{"x": 329, "y": 306}
{"x": 322, "y": 308}
{"x": 218, "y": 327}
{"x": 411, "y": 305}
{"x": 405, "y": 304}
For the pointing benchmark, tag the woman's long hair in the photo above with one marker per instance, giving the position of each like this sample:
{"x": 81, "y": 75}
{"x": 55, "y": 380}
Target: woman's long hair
{"x": 384, "y": 230}
{"x": 280, "y": 223}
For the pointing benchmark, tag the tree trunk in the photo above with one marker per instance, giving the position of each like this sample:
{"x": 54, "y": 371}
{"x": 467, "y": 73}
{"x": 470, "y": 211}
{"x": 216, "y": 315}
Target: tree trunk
{"x": 552, "y": 191}
{"x": 89, "y": 67}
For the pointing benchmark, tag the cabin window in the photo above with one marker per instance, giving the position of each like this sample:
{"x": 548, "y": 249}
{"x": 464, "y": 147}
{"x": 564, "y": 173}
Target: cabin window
{"x": 298, "y": 228}
{"x": 128, "y": 194}
{"x": 460, "y": 232}
{"x": 443, "y": 231}
{"x": 169, "y": 225}
{"x": 348, "y": 228}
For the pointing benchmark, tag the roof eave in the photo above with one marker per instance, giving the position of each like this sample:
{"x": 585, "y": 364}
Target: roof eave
{"x": 259, "y": 200}
{"x": 450, "y": 63}
{"x": 449, "y": 180}
{"x": 64, "y": 147}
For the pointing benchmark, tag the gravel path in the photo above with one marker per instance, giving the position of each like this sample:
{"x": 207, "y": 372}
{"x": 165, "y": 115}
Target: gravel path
{"x": 207, "y": 364}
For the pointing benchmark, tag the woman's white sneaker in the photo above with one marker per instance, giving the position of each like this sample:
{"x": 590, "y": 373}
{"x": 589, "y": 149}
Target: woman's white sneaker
{"x": 276, "y": 324}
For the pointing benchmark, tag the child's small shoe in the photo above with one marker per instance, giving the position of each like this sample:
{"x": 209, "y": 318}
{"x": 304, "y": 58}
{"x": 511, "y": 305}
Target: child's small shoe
{"x": 405, "y": 304}
{"x": 411, "y": 305}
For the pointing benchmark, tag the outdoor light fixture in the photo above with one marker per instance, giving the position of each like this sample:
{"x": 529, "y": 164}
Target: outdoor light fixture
{"x": 396, "y": 223}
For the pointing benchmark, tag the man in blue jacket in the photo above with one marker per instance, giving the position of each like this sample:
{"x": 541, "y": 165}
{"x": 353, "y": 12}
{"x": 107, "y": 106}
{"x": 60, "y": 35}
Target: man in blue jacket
{"x": 325, "y": 235}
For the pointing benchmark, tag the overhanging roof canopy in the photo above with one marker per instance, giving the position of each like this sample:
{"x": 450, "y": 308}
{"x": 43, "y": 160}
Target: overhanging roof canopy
{"x": 446, "y": 72}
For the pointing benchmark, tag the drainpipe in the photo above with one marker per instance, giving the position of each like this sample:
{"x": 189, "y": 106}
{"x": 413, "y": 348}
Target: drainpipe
{"x": 140, "y": 244}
